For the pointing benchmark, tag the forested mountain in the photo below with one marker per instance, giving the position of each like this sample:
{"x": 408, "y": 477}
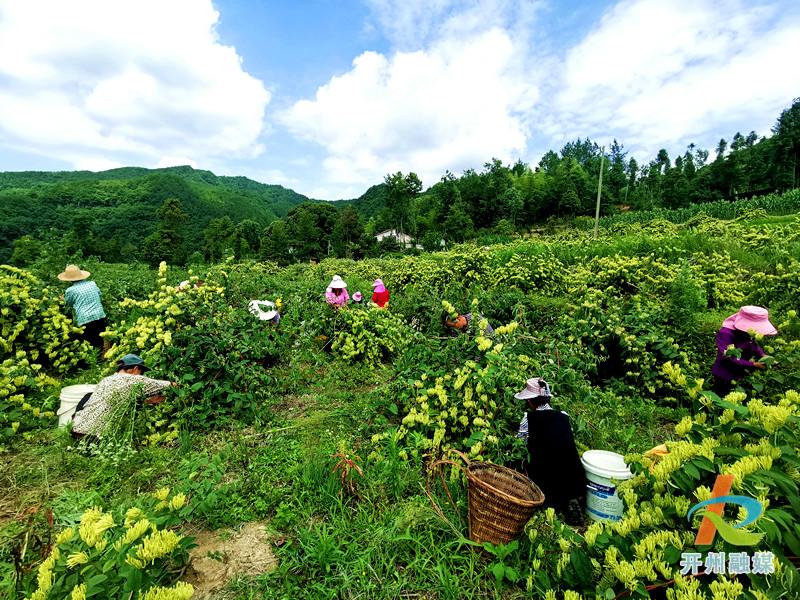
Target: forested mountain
{"x": 173, "y": 214}
{"x": 110, "y": 214}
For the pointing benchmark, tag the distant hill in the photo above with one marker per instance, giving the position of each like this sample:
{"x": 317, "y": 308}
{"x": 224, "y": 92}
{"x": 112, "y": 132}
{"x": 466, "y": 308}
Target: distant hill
{"x": 120, "y": 204}
{"x": 369, "y": 204}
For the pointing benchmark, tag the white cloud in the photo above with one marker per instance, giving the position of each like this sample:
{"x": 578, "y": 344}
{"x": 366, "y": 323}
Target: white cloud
{"x": 451, "y": 106}
{"x": 136, "y": 82}
{"x": 412, "y": 24}
{"x": 175, "y": 161}
{"x": 96, "y": 164}
{"x": 661, "y": 74}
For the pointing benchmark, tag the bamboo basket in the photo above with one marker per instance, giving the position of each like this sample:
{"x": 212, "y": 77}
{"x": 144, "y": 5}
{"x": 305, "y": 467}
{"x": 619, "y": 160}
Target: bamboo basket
{"x": 500, "y": 500}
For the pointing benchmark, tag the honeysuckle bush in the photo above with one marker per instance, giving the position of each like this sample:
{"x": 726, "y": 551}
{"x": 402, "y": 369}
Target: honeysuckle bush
{"x": 136, "y": 553}
{"x": 152, "y": 322}
{"x": 218, "y": 353}
{"x": 757, "y": 442}
{"x": 626, "y": 335}
{"x": 462, "y": 403}
{"x": 370, "y": 334}
{"x": 38, "y": 342}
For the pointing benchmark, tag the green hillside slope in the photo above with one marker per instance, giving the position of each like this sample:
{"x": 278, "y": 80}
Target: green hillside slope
{"x": 119, "y": 205}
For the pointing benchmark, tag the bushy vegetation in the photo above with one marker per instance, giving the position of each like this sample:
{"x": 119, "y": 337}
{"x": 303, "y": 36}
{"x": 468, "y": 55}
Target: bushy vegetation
{"x": 324, "y": 425}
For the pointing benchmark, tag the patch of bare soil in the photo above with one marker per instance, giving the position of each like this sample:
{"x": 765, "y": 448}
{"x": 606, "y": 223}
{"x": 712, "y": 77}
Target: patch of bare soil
{"x": 223, "y": 555}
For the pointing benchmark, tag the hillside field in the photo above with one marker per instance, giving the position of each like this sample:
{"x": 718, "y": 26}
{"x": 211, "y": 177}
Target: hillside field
{"x": 323, "y": 427}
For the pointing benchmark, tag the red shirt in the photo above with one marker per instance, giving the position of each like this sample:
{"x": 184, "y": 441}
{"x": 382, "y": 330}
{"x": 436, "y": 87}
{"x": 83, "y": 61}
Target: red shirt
{"x": 380, "y": 298}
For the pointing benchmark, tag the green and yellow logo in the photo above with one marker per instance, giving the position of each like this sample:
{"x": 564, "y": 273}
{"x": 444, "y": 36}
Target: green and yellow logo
{"x": 713, "y": 523}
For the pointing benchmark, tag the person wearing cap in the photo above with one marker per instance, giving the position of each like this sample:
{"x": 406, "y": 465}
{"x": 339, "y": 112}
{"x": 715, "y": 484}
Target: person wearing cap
{"x": 114, "y": 394}
{"x": 336, "y": 295}
{"x": 83, "y": 297}
{"x": 736, "y": 347}
{"x": 553, "y": 462}
{"x": 462, "y": 322}
{"x": 380, "y": 295}
{"x": 265, "y": 310}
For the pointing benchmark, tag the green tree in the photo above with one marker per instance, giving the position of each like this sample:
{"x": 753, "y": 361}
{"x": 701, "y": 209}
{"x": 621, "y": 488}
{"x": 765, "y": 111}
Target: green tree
{"x": 275, "y": 245}
{"x": 458, "y": 224}
{"x": 401, "y": 191}
{"x": 247, "y": 238}
{"x": 218, "y": 237}
{"x": 167, "y": 241}
{"x": 26, "y": 250}
{"x": 347, "y": 234}
{"x": 786, "y": 154}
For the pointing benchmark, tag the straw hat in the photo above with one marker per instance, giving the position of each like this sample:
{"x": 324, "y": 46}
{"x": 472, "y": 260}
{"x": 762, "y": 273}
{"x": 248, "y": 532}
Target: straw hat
{"x": 749, "y": 318}
{"x": 534, "y": 388}
{"x": 337, "y": 282}
{"x": 73, "y": 273}
{"x": 263, "y": 315}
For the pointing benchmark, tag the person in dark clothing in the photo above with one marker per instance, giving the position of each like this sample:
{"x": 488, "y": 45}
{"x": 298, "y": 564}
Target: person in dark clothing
{"x": 553, "y": 461}
{"x": 734, "y": 338}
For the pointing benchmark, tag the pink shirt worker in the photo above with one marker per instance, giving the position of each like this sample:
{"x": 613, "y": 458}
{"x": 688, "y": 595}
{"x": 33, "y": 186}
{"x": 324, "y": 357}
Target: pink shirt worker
{"x": 336, "y": 295}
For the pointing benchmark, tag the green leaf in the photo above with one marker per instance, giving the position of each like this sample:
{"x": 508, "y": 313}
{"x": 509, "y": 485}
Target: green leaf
{"x": 498, "y": 570}
{"x": 671, "y": 554}
{"x": 793, "y": 542}
{"x": 580, "y": 562}
{"x": 691, "y": 470}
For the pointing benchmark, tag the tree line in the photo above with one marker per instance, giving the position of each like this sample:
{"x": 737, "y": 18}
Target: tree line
{"x": 498, "y": 200}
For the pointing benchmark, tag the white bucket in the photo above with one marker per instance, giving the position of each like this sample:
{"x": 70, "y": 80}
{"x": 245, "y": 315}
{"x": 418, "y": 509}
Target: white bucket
{"x": 603, "y": 468}
{"x": 70, "y": 396}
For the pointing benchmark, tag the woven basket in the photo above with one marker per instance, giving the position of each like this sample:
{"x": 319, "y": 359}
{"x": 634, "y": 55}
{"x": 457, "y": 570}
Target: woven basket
{"x": 501, "y": 500}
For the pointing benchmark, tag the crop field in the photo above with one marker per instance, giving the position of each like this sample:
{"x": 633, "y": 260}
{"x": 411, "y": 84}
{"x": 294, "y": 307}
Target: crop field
{"x": 321, "y": 430}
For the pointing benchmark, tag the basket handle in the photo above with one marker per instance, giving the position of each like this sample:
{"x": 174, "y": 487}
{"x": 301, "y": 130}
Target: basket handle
{"x": 435, "y": 469}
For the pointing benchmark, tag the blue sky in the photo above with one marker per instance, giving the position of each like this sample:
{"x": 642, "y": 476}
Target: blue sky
{"x": 327, "y": 96}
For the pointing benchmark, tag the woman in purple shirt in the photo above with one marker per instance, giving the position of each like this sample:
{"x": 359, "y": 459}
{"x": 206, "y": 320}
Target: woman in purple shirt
{"x": 735, "y": 334}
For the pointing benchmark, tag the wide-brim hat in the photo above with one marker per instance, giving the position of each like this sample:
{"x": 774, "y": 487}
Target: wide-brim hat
{"x": 255, "y": 307}
{"x": 73, "y": 273}
{"x": 337, "y": 283}
{"x": 132, "y": 360}
{"x": 357, "y": 296}
{"x": 377, "y": 283}
{"x": 752, "y": 318}
{"x": 534, "y": 388}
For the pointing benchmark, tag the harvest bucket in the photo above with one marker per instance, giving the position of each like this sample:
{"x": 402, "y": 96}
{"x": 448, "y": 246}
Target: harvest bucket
{"x": 500, "y": 500}
{"x": 603, "y": 469}
{"x": 70, "y": 396}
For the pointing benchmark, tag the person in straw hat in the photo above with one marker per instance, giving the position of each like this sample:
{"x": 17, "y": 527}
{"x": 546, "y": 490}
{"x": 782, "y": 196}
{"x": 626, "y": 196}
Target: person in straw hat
{"x": 736, "y": 347}
{"x": 553, "y": 462}
{"x": 336, "y": 295}
{"x": 83, "y": 297}
{"x": 380, "y": 295}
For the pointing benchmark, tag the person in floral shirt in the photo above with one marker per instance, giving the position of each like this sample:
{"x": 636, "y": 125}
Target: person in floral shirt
{"x": 115, "y": 395}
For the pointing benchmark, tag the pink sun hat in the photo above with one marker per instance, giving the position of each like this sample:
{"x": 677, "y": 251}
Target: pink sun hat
{"x": 534, "y": 388}
{"x": 378, "y": 285}
{"x": 748, "y": 318}
{"x": 357, "y": 296}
